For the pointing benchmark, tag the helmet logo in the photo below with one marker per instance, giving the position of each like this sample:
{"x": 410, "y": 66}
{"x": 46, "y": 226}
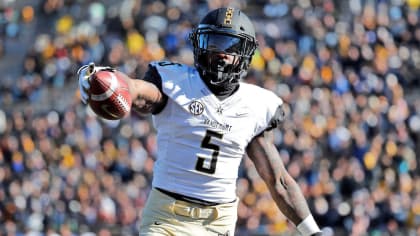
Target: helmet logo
{"x": 228, "y": 16}
{"x": 196, "y": 108}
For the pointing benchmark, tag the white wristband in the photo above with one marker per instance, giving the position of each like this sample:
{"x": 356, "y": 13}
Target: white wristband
{"x": 308, "y": 226}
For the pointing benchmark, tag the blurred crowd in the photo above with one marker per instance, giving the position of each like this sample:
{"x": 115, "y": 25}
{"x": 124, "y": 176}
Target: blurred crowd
{"x": 345, "y": 69}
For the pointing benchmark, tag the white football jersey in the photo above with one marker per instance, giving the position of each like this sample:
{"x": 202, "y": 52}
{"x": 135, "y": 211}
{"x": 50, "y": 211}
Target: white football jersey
{"x": 201, "y": 140}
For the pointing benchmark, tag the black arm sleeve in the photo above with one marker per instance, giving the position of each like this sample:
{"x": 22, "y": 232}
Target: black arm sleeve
{"x": 153, "y": 76}
{"x": 277, "y": 118}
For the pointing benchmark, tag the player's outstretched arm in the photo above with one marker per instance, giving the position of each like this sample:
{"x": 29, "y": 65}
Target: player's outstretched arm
{"x": 283, "y": 188}
{"x": 146, "y": 97}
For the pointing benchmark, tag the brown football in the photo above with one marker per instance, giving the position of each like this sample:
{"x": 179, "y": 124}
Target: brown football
{"x": 109, "y": 95}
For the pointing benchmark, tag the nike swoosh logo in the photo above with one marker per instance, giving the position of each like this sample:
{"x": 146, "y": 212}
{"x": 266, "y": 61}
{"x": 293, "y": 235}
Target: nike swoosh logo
{"x": 157, "y": 223}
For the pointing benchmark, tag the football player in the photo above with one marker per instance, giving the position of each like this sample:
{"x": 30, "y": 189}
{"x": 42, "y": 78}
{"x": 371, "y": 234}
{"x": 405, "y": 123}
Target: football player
{"x": 206, "y": 121}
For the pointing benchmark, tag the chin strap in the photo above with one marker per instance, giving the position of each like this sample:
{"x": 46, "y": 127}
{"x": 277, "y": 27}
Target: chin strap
{"x": 215, "y": 80}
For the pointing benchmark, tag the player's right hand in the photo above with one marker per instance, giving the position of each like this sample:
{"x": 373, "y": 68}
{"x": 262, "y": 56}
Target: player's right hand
{"x": 83, "y": 75}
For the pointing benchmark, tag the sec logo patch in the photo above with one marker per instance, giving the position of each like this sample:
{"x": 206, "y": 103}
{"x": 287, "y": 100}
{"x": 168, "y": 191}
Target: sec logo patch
{"x": 196, "y": 108}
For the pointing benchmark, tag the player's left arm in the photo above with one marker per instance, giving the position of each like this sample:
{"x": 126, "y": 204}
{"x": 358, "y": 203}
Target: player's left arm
{"x": 146, "y": 93}
{"x": 283, "y": 188}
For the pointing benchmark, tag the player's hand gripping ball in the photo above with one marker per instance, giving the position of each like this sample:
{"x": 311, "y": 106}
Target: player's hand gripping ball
{"x": 109, "y": 94}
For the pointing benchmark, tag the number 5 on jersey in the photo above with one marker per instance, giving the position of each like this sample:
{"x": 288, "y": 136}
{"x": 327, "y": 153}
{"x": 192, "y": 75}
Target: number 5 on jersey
{"x": 202, "y": 165}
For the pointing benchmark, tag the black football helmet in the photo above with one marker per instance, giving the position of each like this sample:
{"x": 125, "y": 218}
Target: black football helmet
{"x": 225, "y": 31}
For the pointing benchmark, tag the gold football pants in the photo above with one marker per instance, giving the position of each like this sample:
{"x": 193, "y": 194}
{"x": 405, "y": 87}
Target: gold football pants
{"x": 164, "y": 215}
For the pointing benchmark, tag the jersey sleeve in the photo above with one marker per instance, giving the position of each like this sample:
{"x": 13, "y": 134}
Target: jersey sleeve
{"x": 278, "y": 117}
{"x": 272, "y": 114}
{"x": 152, "y": 76}
{"x": 169, "y": 77}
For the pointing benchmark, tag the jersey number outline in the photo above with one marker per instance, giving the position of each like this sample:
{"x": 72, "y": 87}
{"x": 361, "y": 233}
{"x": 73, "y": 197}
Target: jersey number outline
{"x": 199, "y": 166}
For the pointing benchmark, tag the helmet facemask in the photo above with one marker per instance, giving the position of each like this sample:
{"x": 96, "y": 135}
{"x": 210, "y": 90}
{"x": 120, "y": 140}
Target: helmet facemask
{"x": 211, "y": 50}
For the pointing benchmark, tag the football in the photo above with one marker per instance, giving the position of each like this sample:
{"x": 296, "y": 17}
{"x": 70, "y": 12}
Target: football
{"x": 109, "y": 95}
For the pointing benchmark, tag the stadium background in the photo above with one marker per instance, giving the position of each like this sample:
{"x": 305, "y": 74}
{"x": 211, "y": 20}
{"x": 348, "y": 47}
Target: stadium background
{"x": 348, "y": 71}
